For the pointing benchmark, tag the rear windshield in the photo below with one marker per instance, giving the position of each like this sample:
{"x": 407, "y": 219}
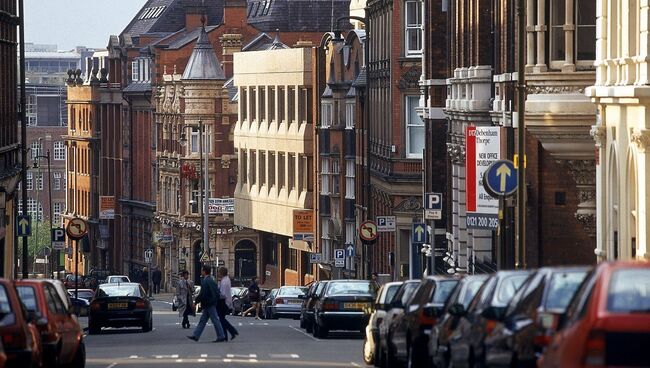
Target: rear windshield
{"x": 508, "y": 287}
{"x": 121, "y": 290}
{"x": 629, "y": 291}
{"x": 119, "y": 279}
{"x": 28, "y": 295}
{"x": 5, "y": 306}
{"x": 409, "y": 288}
{"x": 562, "y": 288}
{"x": 443, "y": 291}
{"x": 338, "y": 288}
{"x": 85, "y": 294}
{"x": 292, "y": 291}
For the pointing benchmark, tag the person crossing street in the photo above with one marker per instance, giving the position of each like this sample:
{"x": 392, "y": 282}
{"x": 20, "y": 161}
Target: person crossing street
{"x": 208, "y": 297}
{"x": 224, "y": 305}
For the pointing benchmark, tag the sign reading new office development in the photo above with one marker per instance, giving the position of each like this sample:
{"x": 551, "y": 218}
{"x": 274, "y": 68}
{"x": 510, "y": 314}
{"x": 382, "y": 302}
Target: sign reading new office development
{"x": 483, "y": 147}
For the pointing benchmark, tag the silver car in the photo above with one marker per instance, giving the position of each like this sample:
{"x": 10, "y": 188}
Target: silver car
{"x": 287, "y": 302}
{"x": 384, "y": 296}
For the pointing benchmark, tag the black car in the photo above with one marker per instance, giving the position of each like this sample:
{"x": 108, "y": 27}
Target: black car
{"x": 268, "y": 302}
{"x": 486, "y": 309}
{"x": 518, "y": 340}
{"x": 343, "y": 306}
{"x": 120, "y": 305}
{"x": 393, "y": 309}
{"x": 408, "y": 333}
{"x": 463, "y": 294}
{"x": 307, "y": 308}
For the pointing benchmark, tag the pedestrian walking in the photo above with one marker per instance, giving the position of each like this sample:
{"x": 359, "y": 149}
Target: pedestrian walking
{"x": 224, "y": 305}
{"x": 156, "y": 277}
{"x": 208, "y": 297}
{"x": 184, "y": 289}
{"x": 254, "y": 297}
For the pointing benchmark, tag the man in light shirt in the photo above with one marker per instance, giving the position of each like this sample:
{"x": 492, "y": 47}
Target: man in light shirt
{"x": 224, "y": 306}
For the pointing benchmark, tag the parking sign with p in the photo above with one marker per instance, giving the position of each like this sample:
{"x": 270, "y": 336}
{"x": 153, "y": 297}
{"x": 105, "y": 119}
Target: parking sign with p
{"x": 58, "y": 238}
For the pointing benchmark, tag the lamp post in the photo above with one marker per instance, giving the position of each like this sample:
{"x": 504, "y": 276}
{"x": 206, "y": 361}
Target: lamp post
{"x": 49, "y": 190}
{"x": 203, "y": 212}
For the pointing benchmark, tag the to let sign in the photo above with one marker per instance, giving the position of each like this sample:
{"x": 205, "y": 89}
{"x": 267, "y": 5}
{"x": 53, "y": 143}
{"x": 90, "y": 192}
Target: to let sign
{"x": 106, "y": 207}
{"x": 303, "y": 225}
{"x": 483, "y": 148}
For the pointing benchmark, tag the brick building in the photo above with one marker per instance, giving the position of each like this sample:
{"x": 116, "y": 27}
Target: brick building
{"x": 9, "y": 145}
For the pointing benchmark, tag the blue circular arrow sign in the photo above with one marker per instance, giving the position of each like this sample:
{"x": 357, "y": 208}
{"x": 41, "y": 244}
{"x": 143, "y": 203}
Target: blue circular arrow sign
{"x": 500, "y": 178}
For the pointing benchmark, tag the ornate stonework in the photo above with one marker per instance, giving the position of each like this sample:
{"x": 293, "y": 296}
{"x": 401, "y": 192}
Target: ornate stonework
{"x": 599, "y": 133}
{"x": 554, "y": 90}
{"x": 641, "y": 138}
{"x": 410, "y": 204}
{"x": 584, "y": 174}
{"x": 588, "y": 221}
{"x": 456, "y": 153}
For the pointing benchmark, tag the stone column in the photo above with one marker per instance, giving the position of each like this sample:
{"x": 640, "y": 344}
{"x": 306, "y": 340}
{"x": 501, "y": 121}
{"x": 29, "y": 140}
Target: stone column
{"x": 541, "y": 35}
{"x": 641, "y": 138}
{"x": 569, "y": 34}
{"x": 530, "y": 35}
{"x": 644, "y": 42}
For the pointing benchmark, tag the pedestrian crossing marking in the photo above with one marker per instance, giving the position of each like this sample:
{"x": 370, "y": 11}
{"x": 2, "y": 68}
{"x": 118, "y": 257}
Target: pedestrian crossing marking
{"x": 201, "y": 360}
{"x": 204, "y": 355}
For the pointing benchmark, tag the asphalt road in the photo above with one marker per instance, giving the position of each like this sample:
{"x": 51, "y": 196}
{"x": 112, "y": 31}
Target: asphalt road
{"x": 266, "y": 343}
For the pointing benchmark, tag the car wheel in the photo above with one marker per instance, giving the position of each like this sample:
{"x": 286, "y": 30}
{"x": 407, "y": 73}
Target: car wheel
{"x": 414, "y": 360}
{"x": 148, "y": 325}
{"x": 309, "y": 326}
{"x": 93, "y": 328}
{"x": 368, "y": 353}
{"x": 79, "y": 360}
{"x": 302, "y": 321}
{"x": 320, "y": 331}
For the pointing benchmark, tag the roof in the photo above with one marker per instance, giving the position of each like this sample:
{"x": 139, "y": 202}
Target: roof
{"x": 138, "y": 87}
{"x": 361, "y": 79}
{"x": 229, "y": 85}
{"x": 297, "y": 15}
{"x": 263, "y": 42}
{"x": 184, "y": 37}
{"x": 52, "y": 55}
{"x": 203, "y": 63}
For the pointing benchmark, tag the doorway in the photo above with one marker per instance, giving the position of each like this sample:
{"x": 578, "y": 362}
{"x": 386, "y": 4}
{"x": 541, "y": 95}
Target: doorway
{"x": 245, "y": 261}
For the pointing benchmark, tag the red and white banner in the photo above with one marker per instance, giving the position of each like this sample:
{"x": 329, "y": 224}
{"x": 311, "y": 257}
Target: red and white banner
{"x": 482, "y": 148}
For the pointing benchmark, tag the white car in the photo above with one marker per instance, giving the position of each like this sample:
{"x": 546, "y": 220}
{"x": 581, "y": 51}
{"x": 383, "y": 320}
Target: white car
{"x": 114, "y": 279}
{"x": 371, "y": 341}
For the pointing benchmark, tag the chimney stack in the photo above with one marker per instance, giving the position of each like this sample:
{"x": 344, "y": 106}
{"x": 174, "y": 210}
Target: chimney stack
{"x": 230, "y": 44}
{"x": 194, "y": 17}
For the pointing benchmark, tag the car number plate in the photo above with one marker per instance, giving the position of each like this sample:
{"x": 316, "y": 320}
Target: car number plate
{"x": 295, "y": 302}
{"x": 118, "y": 305}
{"x": 354, "y": 305}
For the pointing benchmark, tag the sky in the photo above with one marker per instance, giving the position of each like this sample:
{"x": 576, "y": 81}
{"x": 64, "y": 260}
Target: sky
{"x": 70, "y": 23}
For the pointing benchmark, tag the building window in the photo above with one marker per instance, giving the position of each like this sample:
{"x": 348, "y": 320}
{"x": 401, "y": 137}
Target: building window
{"x": 349, "y": 179}
{"x": 349, "y": 115}
{"x": 326, "y": 115}
{"x": 32, "y": 110}
{"x": 56, "y": 184}
{"x": 583, "y": 27}
{"x": 135, "y": 70}
{"x": 335, "y": 176}
{"x": 36, "y": 149}
{"x": 325, "y": 170}
{"x": 194, "y": 140}
{"x": 58, "y": 210}
{"x": 59, "y": 150}
{"x": 350, "y": 233}
{"x": 30, "y": 183}
{"x": 194, "y": 201}
{"x": 326, "y": 247}
{"x": 414, "y": 128}
{"x": 39, "y": 181}
{"x": 413, "y": 25}
{"x": 557, "y": 30}
{"x": 585, "y": 31}
{"x": 32, "y": 207}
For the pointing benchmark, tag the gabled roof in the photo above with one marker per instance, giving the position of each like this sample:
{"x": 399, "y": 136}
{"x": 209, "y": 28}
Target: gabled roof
{"x": 203, "y": 63}
{"x": 263, "y": 42}
{"x": 297, "y": 15}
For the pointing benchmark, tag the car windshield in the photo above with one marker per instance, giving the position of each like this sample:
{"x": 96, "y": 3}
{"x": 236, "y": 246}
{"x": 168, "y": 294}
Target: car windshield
{"x": 509, "y": 285}
{"x": 629, "y": 291}
{"x": 5, "y": 306}
{"x": 28, "y": 295}
{"x": 338, "y": 288}
{"x": 116, "y": 279}
{"x": 390, "y": 293}
{"x": 293, "y": 290}
{"x": 561, "y": 289}
{"x": 115, "y": 290}
{"x": 443, "y": 291}
{"x": 470, "y": 292}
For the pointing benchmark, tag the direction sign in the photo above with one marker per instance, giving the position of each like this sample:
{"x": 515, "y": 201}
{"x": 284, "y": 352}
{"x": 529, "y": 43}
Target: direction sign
{"x": 349, "y": 251}
{"x": 419, "y": 233}
{"x": 58, "y": 238}
{"x": 77, "y": 228}
{"x": 315, "y": 258}
{"x": 433, "y": 206}
{"x": 148, "y": 255}
{"x": 24, "y": 225}
{"x": 500, "y": 178}
{"x": 386, "y": 224}
{"x": 368, "y": 231}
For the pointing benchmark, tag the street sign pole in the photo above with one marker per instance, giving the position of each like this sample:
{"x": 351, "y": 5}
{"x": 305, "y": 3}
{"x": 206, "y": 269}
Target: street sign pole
{"x": 76, "y": 269}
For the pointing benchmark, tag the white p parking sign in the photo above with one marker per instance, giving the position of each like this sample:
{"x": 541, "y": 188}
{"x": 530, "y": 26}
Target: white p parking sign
{"x": 58, "y": 238}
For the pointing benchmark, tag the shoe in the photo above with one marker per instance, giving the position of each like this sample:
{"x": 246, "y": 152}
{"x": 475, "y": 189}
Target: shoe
{"x": 232, "y": 337}
{"x": 258, "y": 318}
{"x": 192, "y": 337}
{"x": 220, "y": 340}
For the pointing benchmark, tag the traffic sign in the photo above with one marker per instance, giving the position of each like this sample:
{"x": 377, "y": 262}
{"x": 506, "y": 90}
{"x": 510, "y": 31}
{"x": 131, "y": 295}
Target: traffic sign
{"x": 58, "y": 238}
{"x": 148, "y": 255}
{"x": 368, "y": 231}
{"x": 24, "y": 225}
{"x": 419, "y": 233}
{"x": 77, "y": 228}
{"x": 500, "y": 178}
{"x": 349, "y": 251}
{"x": 433, "y": 206}
{"x": 205, "y": 257}
{"x": 339, "y": 257}
{"x": 386, "y": 224}
{"x": 315, "y": 258}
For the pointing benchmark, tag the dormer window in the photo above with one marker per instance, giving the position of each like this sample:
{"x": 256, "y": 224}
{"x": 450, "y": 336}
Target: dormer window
{"x": 140, "y": 70}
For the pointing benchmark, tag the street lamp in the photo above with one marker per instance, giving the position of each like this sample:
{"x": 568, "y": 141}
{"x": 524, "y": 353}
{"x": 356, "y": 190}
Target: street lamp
{"x": 49, "y": 190}
{"x": 203, "y": 211}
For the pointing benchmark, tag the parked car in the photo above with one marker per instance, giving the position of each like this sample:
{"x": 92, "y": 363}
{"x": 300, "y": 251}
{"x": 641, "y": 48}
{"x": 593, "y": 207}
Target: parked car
{"x": 287, "y": 302}
{"x": 69, "y": 281}
{"x": 240, "y": 301}
{"x": 268, "y": 301}
{"x": 117, "y": 279}
{"x": 607, "y": 323}
{"x": 309, "y": 301}
{"x": 343, "y": 306}
{"x": 519, "y": 339}
{"x": 371, "y": 339}
{"x": 393, "y": 309}
{"x": 485, "y": 311}
{"x": 463, "y": 294}
{"x": 120, "y": 305}
{"x": 100, "y": 275}
{"x": 60, "y": 333}
{"x": 20, "y": 336}
{"x": 87, "y": 294}
{"x": 61, "y": 290}
{"x": 3, "y": 356}
{"x": 408, "y": 332}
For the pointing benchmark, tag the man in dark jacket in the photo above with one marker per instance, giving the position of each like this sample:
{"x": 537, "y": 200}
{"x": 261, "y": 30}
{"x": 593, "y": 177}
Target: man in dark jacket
{"x": 208, "y": 297}
{"x": 156, "y": 277}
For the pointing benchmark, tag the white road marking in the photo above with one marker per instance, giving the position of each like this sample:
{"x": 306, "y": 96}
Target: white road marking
{"x": 355, "y": 364}
{"x": 133, "y": 357}
{"x": 175, "y": 356}
{"x": 284, "y": 356}
{"x": 179, "y": 360}
{"x": 111, "y": 365}
{"x": 201, "y": 360}
{"x": 204, "y": 355}
{"x": 304, "y": 333}
{"x": 240, "y": 324}
{"x": 227, "y": 360}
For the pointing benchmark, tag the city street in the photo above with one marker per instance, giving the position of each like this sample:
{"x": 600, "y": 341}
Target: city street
{"x": 265, "y": 343}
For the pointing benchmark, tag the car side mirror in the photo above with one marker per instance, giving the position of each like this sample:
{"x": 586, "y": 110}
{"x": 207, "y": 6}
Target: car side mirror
{"x": 493, "y": 313}
{"x": 301, "y": 296}
{"x": 457, "y": 310}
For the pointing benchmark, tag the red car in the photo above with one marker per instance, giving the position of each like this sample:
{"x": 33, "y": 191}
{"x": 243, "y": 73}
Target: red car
{"x": 19, "y": 334}
{"x": 607, "y": 323}
{"x": 60, "y": 333}
{"x": 3, "y": 356}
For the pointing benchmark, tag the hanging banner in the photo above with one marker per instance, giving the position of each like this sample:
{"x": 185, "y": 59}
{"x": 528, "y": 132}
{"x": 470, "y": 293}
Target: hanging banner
{"x": 483, "y": 147}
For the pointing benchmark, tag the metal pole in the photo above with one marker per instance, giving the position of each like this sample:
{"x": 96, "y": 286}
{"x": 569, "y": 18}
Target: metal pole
{"x": 23, "y": 130}
{"x": 55, "y": 259}
{"x": 76, "y": 269}
{"x": 206, "y": 184}
{"x": 521, "y": 130}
